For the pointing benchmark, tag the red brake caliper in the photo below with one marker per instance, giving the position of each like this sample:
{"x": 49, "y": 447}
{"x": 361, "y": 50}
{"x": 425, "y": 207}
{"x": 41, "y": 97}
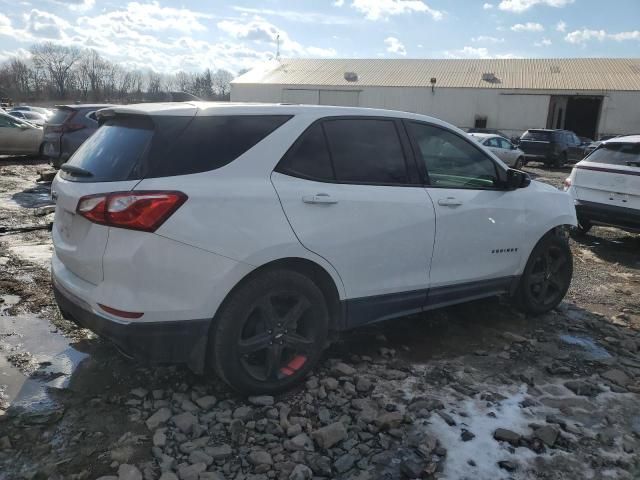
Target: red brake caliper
{"x": 294, "y": 365}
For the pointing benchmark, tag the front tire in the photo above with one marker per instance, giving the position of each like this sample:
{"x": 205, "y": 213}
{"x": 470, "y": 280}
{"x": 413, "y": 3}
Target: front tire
{"x": 547, "y": 275}
{"x": 270, "y": 332}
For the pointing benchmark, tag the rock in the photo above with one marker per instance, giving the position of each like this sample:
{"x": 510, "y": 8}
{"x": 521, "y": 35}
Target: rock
{"x": 330, "y": 383}
{"x": 189, "y": 406}
{"x": 168, "y": 476}
{"x": 583, "y": 388}
{"x": 504, "y": 435}
{"x": 129, "y": 472}
{"x": 616, "y": 376}
{"x": 363, "y": 384}
{"x": 294, "y": 430}
{"x": 344, "y": 463}
{"x": 425, "y": 404}
{"x": 514, "y": 337}
{"x": 411, "y": 468}
{"x": 547, "y": 434}
{"x": 139, "y": 392}
{"x": 110, "y": 477}
{"x": 507, "y": 465}
{"x": 184, "y": 421}
{"x": 206, "y": 402}
{"x": 300, "y": 442}
{"x": 198, "y": 456}
{"x": 447, "y": 418}
{"x": 220, "y": 452}
{"x": 260, "y": 457}
{"x": 5, "y": 443}
{"x": 211, "y": 476}
{"x": 301, "y": 472}
{"x": 342, "y": 369}
{"x": 466, "y": 435}
{"x": 389, "y": 420}
{"x": 191, "y": 472}
{"x": 262, "y": 400}
{"x": 327, "y": 437}
{"x": 158, "y": 418}
{"x": 243, "y": 413}
{"x": 159, "y": 439}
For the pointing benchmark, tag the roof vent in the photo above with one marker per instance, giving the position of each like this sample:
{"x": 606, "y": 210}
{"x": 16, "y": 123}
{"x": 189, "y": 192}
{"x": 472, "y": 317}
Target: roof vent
{"x": 490, "y": 77}
{"x": 351, "y": 76}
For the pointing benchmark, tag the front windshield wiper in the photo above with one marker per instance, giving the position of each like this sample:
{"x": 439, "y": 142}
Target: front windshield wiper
{"x": 77, "y": 171}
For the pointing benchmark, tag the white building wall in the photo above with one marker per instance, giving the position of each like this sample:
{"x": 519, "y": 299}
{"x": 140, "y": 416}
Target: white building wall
{"x": 512, "y": 111}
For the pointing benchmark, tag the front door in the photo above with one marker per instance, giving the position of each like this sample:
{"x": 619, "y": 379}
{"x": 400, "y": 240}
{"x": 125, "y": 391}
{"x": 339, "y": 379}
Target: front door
{"x": 479, "y": 224}
{"x": 353, "y": 197}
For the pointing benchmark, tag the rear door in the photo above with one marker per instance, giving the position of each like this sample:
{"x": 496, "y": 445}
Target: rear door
{"x": 610, "y": 175}
{"x": 507, "y": 153}
{"x": 53, "y": 131}
{"x": 352, "y": 195}
{"x": 105, "y": 163}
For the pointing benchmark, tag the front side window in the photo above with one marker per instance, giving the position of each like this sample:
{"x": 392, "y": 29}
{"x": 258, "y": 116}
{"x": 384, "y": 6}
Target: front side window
{"x": 7, "y": 122}
{"x": 451, "y": 161}
{"x": 627, "y": 154}
{"x": 366, "y": 151}
{"x": 492, "y": 142}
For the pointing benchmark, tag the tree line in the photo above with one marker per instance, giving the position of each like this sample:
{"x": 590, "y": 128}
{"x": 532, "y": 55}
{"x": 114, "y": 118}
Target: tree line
{"x": 56, "y": 72}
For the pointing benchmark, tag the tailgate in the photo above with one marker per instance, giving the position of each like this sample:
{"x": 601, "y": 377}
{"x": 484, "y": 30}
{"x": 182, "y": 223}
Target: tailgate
{"x": 608, "y": 184}
{"x": 79, "y": 243}
{"x": 535, "y": 147}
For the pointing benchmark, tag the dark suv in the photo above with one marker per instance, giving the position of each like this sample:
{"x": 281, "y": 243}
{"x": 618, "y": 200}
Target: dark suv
{"x": 67, "y": 129}
{"x": 551, "y": 147}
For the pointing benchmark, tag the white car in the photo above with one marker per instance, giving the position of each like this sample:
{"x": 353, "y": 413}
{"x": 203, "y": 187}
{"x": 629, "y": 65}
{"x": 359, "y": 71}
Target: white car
{"x": 606, "y": 185}
{"x": 238, "y": 236}
{"x": 46, "y": 112}
{"x": 18, "y": 137}
{"x": 502, "y": 148}
{"x": 31, "y": 117}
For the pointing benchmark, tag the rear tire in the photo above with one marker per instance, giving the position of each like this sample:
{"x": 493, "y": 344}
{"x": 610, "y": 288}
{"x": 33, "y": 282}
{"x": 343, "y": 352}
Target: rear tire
{"x": 547, "y": 275}
{"x": 519, "y": 163}
{"x": 270, "y": 332}
{"x": 561, "y": 161}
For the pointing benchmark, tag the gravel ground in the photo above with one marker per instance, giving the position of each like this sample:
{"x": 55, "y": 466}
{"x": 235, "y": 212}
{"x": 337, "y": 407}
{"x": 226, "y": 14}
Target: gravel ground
{"x": 474, "y": 391}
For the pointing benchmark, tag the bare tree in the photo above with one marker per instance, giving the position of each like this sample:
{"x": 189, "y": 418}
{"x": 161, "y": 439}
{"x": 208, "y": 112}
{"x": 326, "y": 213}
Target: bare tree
{"x": 222, "y": 82}
{"x": 57, "y": 61}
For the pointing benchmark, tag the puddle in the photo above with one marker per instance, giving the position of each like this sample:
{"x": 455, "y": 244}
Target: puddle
{"x": 33, "y": 358}
{"x": 593, "y": 350}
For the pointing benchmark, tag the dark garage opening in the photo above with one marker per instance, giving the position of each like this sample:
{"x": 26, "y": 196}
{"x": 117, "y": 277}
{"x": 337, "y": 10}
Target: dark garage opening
{"x": 582, "y": 116}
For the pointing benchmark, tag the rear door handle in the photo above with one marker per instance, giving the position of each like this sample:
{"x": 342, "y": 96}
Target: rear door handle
{"x": 449, "y": 202}
{"x": 319, "y": 198}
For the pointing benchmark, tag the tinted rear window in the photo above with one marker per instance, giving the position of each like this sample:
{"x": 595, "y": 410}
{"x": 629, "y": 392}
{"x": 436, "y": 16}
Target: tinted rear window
{"x": 132, "y": 148}
{"x": 627, "y": 154}
{"x": 59, "y": 116}
{"x": 537, "y": 135}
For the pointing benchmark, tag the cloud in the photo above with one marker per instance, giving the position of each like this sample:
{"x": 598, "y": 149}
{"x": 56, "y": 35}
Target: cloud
{"x": 545, "y": 42}
{"x": 527, "y": 27}
{"x": 519, "y": 6}
{"x": 383, "y": 9}
{"x": 260, "y": 30}
{"x": 487, "y": 39}
{"x": 5, "y": 22}
{"x": 76, "y": 5}
{"x": 395, "y": 46}
{"x": 473, "y": 52}
{"x": 338, "y": 3}
{"x": 45, "y": 25}
{"x": 487, "y": 6}
{"x": 299, "y": 17}
{"x": 561, "y": 26}
{"x": 585, "y": 35}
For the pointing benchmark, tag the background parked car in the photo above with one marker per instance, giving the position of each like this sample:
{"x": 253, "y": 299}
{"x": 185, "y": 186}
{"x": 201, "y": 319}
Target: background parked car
{"x": 67, "y": 129}
{"x": 551, "y": 147}
{"x": 491, "y": 131}
{"x": 503, "y": 148}
{"x": 606, "y": 185}
{"x": 18, "y": 137}
{"x": 31, "y": 117}
{"x": 26, "y": 108}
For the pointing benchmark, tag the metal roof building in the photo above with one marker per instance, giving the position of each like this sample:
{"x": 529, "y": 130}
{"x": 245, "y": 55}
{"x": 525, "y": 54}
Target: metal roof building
{"x": 592, "y": 96}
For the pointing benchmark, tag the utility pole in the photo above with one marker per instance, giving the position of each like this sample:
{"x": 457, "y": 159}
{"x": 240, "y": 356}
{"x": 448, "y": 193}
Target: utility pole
{"x": 278, "y": 47}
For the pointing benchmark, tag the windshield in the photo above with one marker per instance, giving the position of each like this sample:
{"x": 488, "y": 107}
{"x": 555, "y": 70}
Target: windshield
{"x": 627, "y": 154}
{"x": 537, "y": 135}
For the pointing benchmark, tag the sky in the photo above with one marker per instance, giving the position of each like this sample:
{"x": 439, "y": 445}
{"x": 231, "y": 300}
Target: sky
{"x": 191, "y": 35}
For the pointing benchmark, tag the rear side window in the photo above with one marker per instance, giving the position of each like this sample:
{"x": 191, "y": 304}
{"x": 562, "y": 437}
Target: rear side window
{"x": 309, "y": 157}
{"x": 59, "y": 116}
{"x": 366, "y": 151}
{"x": 627, "y": 154}
{"x": 132, "y": 148}
{"x": 537, "y": 135}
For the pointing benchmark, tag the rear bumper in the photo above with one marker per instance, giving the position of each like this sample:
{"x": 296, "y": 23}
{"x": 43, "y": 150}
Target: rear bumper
{"x": 182, "y": 341}
{"x": 602, "y": 214}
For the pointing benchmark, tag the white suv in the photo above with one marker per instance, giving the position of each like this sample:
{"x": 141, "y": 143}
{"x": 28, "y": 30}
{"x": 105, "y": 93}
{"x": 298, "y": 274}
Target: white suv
{"x": 237, "y": 236}
{"x": 606, "y": 185}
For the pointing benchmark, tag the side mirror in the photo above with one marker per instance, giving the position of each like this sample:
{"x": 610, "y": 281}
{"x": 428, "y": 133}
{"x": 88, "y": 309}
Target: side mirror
{"x": 517, "y": 179}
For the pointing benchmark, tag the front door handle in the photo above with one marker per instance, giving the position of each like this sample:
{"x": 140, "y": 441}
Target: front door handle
{"x": 449, "y": 202}
{"x": 319, "y": 198}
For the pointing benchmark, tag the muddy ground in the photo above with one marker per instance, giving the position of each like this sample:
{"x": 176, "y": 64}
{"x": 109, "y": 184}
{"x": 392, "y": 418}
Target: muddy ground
{"x": 476, "y": 391}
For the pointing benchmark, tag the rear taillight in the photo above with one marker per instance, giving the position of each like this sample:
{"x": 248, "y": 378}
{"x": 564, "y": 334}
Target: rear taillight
{"x": 142, "y": 210}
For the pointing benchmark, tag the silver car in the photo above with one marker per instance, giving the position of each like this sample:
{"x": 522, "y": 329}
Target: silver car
{"x": 502, "y": 148}
{"x": 18, "y": 137}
